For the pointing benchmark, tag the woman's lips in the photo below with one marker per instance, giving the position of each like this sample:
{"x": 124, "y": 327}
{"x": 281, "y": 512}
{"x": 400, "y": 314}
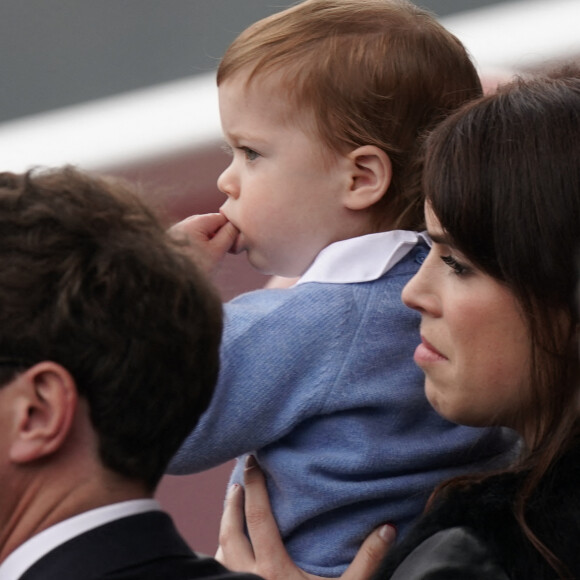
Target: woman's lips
{"x": 427, "y": 353}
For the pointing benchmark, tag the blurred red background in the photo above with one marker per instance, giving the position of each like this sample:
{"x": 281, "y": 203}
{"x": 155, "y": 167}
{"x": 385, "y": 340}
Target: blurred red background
{"x": 180, "y": 185}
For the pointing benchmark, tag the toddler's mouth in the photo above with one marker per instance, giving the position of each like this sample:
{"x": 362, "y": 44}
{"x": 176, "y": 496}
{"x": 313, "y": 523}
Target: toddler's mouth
{"x": 238, "y": 246}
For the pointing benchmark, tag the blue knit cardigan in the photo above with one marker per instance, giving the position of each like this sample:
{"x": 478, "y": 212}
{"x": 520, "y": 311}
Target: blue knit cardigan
{"x": 318, "y": 381}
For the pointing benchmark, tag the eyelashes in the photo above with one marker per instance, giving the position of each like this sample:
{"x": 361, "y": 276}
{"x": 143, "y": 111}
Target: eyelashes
{"x": 249, "y": 153}
{"x": 457, "y": 267}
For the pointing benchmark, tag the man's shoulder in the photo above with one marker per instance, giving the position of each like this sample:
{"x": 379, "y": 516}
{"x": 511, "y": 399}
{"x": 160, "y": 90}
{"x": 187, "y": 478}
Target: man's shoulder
{"x": 146, "y": 546}
{"x": 175, "y": 568}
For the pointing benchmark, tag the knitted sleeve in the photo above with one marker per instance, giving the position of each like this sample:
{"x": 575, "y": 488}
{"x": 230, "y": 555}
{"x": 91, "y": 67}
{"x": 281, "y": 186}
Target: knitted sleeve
{"x": 275, "y": 369}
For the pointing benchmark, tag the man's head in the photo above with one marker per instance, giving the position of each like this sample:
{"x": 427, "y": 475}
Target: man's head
{"x": 361, "y": 72}
{"x": 91, "y": 283}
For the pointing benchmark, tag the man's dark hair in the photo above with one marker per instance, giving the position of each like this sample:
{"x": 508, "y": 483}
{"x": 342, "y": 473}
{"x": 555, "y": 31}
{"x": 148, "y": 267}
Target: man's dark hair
{"x": 90, "y": 279}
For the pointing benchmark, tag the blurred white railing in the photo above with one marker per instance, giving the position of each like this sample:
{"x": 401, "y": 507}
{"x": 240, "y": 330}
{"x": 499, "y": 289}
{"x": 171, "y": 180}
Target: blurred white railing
{"x": 183, "y": 115}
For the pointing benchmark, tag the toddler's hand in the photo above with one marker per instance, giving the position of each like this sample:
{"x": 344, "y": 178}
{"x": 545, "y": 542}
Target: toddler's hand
{"x": 211, "y": 233}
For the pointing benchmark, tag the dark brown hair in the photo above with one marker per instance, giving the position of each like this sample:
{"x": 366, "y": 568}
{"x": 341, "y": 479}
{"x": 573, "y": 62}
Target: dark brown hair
{"x": 502, "y": 176}
{"x": 91, "y": 280}
{"x": 370, "y": 72}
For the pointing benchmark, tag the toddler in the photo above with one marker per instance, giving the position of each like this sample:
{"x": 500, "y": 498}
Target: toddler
{"x": 323, "y": 106}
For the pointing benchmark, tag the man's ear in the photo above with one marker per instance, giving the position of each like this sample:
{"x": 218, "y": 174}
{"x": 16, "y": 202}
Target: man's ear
{"x": 45, "y": 406}
{"x": 371, "y": 172}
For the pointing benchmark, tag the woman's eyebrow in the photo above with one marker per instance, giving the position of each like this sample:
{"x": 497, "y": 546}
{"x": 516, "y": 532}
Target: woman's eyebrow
{"x": 438, "y": 238}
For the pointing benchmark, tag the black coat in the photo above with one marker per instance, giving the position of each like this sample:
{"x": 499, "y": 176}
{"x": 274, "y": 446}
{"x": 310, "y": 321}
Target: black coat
{"x": 473, "y": 534}
{"x": 140, "y": 547}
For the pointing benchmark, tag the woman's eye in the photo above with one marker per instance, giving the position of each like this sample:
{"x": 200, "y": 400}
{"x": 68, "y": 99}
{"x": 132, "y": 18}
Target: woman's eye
{"x": 457, "y": 267}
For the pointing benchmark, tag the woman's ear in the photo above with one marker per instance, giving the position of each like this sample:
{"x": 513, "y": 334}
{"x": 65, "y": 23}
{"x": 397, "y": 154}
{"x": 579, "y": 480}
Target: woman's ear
{"x": 370, "y": 176}
{"x": 44, "y": 407}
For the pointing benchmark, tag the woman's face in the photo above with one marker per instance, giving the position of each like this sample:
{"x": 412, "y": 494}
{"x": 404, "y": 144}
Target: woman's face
{"x": 475, "y": 343}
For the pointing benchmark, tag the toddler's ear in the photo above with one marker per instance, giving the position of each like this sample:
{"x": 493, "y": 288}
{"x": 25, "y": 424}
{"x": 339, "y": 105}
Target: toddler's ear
{"x": 371, "y": 173}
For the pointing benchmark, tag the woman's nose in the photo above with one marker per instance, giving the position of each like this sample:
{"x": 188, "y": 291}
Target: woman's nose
{"x": 419, "y": 292}
{"x": 409, "y": 294}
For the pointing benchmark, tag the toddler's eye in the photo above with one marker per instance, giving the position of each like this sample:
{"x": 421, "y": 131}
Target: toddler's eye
{"x": 251, "y": 155}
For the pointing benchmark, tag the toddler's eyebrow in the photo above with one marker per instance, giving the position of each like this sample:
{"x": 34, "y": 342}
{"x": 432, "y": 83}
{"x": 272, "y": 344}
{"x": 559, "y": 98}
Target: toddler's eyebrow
{"x": 226, "y": 148}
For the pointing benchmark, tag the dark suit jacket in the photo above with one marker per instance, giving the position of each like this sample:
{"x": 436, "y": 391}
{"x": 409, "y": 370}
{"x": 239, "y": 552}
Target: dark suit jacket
{"x": 141, "y": 547}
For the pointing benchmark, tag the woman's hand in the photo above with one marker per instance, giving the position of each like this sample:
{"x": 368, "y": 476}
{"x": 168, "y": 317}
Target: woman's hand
{"x": 210, "y": 233}
{"x": 264, "y": 553}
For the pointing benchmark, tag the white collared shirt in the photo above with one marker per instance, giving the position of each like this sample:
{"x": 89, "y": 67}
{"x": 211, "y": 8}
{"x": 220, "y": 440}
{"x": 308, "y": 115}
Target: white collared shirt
{"x": 362, "y": 259}
{"x": 36, "y": 547}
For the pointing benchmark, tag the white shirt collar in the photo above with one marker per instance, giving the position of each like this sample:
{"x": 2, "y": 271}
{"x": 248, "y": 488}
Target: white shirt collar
{"x": 362, "y": 259}
{"x": 36, "y": 547}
